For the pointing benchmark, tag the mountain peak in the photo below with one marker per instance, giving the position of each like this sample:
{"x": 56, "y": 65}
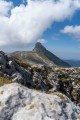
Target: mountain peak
{"x": 38, "y": 44}
{"x": 39, "y": 47}
{"x": 40, "y": 55}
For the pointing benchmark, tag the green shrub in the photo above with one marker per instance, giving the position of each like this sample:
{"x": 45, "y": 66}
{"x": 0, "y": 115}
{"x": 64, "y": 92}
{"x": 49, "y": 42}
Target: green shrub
{"x": 61, "y": 76}
{"x": 48, "y": 69}
{"x": 65, "y": 81}
{"x": 42, "y": 71}
{"x": 77, "y": 82}
{"x": 36, "y": 69}
{"x": 74, "y": 94}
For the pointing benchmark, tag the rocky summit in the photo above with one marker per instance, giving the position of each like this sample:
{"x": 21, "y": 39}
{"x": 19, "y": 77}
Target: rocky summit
{"x": 39, "y": 55}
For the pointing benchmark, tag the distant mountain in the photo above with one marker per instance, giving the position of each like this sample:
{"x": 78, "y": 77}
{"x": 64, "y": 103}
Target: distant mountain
{"x": 73, "y": 63}
{"x": 40, "y": 55}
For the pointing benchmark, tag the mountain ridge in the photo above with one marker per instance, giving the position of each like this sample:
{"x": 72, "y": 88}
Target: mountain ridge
{"x": 40, "y": 55}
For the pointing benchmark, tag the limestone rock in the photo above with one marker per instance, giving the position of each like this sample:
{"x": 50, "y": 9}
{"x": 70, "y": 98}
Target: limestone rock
{"x": 20, "y": 103}
{"x": 11, "y": 70}
{"x": 2, "y": 60}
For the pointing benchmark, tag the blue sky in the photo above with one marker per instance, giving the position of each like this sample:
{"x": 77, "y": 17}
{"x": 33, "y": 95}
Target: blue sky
{"x": 66, "y": 45}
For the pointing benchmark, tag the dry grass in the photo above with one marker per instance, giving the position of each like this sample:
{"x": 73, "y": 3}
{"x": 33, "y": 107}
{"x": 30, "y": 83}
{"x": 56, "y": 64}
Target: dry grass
{"x": 31, "y": 107}
{"x": 4, "y": 81}
{"x": 1, "y": 92}
{"x": 78, "y": 117}
{"x": 51, "y": 104}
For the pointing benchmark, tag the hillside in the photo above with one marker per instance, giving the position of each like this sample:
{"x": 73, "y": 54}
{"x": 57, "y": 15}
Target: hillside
{"x": 39, "y": 55}
{"x": 44, "y": 78}
{"x": 49, "y": 93}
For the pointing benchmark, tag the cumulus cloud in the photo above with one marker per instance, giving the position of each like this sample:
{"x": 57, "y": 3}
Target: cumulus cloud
{"x": 42, "y": 41}
{"x": 72, "y": 30}
{"x": 26, "y": 24}
{"x": 5, "y": 7}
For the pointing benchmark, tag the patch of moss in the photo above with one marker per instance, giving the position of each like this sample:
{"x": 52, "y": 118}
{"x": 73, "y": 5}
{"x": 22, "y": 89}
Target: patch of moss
{"x": 62, "y": 97}
{"x": 64, "y": 81}
{"x": 22, "y": 64}
{"x": 78, "y": 117}
{"x": 4, "y": 81}
{"x": 36, "y": 69}
{"x": 48, "y": 69}
{"x": 63, "y": 86}
{"x": 38, "y": 87}
{"x": 42, "y": 71}
{"x": 60, "y": 69}
{"x": 44, "y": 77}
{"x": 77, "y": 82}
{"x": 75, "y": 95}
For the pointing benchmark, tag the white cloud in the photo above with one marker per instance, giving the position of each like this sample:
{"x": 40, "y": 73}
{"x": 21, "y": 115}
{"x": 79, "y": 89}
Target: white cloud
{"x": 72, "y": 30}
{"x": 23, "y": 1}
{"x": 26, "y": 24}
{"x": 42, "y": 41}
{"x": 5, "y": 7}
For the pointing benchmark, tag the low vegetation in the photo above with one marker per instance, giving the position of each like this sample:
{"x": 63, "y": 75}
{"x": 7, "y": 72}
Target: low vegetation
{"x": 4, "y": 81}
{"x": 61, "y": 96}
{"x": 48, "y": 69}
{"x": 22, "y": 64}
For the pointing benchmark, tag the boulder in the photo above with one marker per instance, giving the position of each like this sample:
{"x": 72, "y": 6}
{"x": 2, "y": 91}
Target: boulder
{"x": 20, "y": 103}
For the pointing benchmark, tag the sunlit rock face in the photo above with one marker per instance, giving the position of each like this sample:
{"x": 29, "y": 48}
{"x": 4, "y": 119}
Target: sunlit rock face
{"x": 20, "y": 103}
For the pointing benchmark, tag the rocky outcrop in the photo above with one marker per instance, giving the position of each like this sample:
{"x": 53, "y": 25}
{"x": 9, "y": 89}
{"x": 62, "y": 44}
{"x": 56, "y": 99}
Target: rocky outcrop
{"x": 40, "y": 77}
{"x": 20, "y": 103}
{"x": 11, "y": 70}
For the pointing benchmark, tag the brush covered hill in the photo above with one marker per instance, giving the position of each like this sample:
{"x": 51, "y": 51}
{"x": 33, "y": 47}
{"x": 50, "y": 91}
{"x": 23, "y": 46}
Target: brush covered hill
{"x": 39, "y": 55}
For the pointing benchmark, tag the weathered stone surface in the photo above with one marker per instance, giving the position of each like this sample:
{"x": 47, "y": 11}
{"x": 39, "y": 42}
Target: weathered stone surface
{"x": 2, "y": 60}
{"x": 20, "y": 103}
{"x": 11, "y": 70}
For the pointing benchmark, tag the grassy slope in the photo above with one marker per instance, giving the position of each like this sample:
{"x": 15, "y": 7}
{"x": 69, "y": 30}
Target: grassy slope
{"x": 32, "y": 57}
